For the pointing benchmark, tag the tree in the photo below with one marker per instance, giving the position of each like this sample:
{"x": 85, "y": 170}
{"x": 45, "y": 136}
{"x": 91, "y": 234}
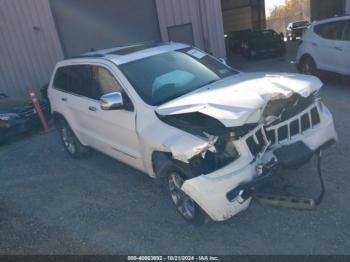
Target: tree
{"x": 289, "y": 8}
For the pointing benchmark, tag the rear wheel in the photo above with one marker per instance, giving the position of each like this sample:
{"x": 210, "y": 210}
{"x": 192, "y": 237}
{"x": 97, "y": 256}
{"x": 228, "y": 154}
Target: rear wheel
{"x": 70, "y": 142}
{"x": 184, "y": 204}
{"x": 308, "y": 66}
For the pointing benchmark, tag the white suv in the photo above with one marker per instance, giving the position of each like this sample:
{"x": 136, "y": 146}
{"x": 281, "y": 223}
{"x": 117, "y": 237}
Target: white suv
{"x": 173, "y": 111}
{"x": 326, "y": 46}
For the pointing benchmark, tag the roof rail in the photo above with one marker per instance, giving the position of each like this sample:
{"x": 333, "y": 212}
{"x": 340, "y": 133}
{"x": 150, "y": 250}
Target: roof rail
{"x": 96, "y": 55}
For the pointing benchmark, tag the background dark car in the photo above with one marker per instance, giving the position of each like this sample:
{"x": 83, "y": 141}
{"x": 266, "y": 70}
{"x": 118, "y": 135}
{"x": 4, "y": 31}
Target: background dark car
{"x": 263, "y": 43}
{"x": 17, "y": 116}
{"x": 297, "y": 29}
{"x": 235, "y": 40}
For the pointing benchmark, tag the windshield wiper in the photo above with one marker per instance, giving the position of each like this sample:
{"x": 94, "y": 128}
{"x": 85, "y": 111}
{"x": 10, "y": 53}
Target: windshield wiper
{"x": 210, "y": 82}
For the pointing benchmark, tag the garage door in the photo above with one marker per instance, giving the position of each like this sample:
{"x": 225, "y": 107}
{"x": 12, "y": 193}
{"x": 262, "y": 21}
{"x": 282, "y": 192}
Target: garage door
{"x": 237, "y": 19}
{"x": 89, "y": 24}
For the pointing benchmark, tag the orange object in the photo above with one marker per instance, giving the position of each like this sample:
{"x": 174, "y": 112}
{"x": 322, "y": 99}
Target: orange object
{"x": 38, "y": 109}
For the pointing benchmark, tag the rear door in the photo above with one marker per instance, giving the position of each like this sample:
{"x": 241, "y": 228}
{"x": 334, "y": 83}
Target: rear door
{"x": 324, "y": 47}
{"x": 72, "y": 87}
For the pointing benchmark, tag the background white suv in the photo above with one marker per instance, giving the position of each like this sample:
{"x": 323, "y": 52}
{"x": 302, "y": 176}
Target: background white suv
{"x": 326, "y": 46}
{"x": 173, "y": 111}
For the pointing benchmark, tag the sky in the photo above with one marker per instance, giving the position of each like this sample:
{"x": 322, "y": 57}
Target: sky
{"x": 269, "y": 4}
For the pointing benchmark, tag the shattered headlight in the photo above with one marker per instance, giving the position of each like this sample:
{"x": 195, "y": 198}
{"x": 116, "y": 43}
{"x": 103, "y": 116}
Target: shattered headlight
{"x": 8, "y": 116}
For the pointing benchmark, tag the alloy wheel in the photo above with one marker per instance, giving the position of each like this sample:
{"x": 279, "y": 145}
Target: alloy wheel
{"x": 184, "y": 204}
{"x": 68, "y": 140}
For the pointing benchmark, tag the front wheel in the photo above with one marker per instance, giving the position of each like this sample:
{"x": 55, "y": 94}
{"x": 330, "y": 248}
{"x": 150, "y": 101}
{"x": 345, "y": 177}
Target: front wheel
{"x": 308, "y": 66}
{"x": 184, "y": 204}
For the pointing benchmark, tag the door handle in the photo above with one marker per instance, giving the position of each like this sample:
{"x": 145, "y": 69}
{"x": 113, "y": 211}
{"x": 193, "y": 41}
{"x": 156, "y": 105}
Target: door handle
{"x": 314, "y": 44}
{"x": 64, "y": 99}
{"x": 92, "y": 108}
{"x": 338, "y": 48}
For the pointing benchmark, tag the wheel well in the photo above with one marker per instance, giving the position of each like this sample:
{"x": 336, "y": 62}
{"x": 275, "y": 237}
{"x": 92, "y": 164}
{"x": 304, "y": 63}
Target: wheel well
{"x": 160, "y": 162}
{"x": 57, "y": 118}
{"x": 306, "y": 56}
{"x": 163, "y": 162}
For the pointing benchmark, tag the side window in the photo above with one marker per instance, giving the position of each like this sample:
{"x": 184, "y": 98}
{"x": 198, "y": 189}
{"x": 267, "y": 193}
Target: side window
{"x": 346, "y": 32}
{"x": 74, "y": 79}
{"x": 61, "y": 79}
{"x": 332, "y": 31}
{"x": 79, "y": 80}
{"x": 103, "y": 82}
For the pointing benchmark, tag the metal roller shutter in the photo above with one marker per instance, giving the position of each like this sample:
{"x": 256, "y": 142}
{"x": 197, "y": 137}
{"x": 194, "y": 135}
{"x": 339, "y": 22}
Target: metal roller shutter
{"x": 86, "y": 24}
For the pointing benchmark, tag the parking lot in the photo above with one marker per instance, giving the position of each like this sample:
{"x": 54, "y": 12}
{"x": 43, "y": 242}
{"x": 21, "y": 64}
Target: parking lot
{"x": 52, "y": 204}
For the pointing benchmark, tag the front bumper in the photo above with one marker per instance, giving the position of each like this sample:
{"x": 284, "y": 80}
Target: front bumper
{"x": 212, "y": 191}
{"x": 21, "y": 125}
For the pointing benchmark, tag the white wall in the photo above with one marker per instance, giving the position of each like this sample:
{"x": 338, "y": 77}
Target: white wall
{"x": 29, "y": 46}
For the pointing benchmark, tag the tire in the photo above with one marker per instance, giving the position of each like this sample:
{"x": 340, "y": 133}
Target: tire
{"x": 189, "y": 210}
{"x": 308, "y": 66}
{"x": 70, "y": 142}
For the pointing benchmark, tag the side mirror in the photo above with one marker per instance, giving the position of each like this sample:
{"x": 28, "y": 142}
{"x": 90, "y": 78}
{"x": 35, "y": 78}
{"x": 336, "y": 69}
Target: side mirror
{"x": 222, "y": 61}
{"x": 112, "y": 101}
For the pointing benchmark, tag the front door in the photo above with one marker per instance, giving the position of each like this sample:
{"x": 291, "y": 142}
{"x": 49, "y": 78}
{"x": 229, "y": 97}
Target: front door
{"x": 111, "y": 131}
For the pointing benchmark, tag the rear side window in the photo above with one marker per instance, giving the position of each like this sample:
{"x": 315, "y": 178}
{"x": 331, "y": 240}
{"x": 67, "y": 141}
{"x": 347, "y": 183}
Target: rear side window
{"x": 331, "y": 31}
{"x": 74, "y": 79}
{"x": 61, "y": 79}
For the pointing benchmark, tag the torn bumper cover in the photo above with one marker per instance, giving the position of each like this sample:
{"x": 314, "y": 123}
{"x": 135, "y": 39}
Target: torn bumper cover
{"x": 225, "y": 192}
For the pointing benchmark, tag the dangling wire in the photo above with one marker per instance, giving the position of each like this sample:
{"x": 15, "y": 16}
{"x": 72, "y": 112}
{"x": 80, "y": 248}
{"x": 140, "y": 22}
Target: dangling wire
{"x": 319, "y": 171}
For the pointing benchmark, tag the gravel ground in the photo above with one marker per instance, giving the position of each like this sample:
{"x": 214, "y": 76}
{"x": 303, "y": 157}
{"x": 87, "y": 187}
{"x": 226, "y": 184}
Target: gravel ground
{"x": 52, "y": 204}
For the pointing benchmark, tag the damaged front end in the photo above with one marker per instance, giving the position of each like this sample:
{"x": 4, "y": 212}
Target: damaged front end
{"x": 285, "y": 131}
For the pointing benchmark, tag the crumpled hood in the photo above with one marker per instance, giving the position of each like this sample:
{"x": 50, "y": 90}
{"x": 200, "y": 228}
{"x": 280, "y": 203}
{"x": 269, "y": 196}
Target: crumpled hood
{"x": 241, "y": 99}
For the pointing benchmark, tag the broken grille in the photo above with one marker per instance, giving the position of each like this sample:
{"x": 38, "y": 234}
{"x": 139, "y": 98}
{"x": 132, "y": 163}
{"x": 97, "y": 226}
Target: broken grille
{"x": 286, "y": 130}
{"x": 257, "y": 142}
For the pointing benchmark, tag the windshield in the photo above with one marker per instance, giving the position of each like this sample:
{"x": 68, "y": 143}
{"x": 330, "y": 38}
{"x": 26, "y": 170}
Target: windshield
{"x": 160, "y": 78}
